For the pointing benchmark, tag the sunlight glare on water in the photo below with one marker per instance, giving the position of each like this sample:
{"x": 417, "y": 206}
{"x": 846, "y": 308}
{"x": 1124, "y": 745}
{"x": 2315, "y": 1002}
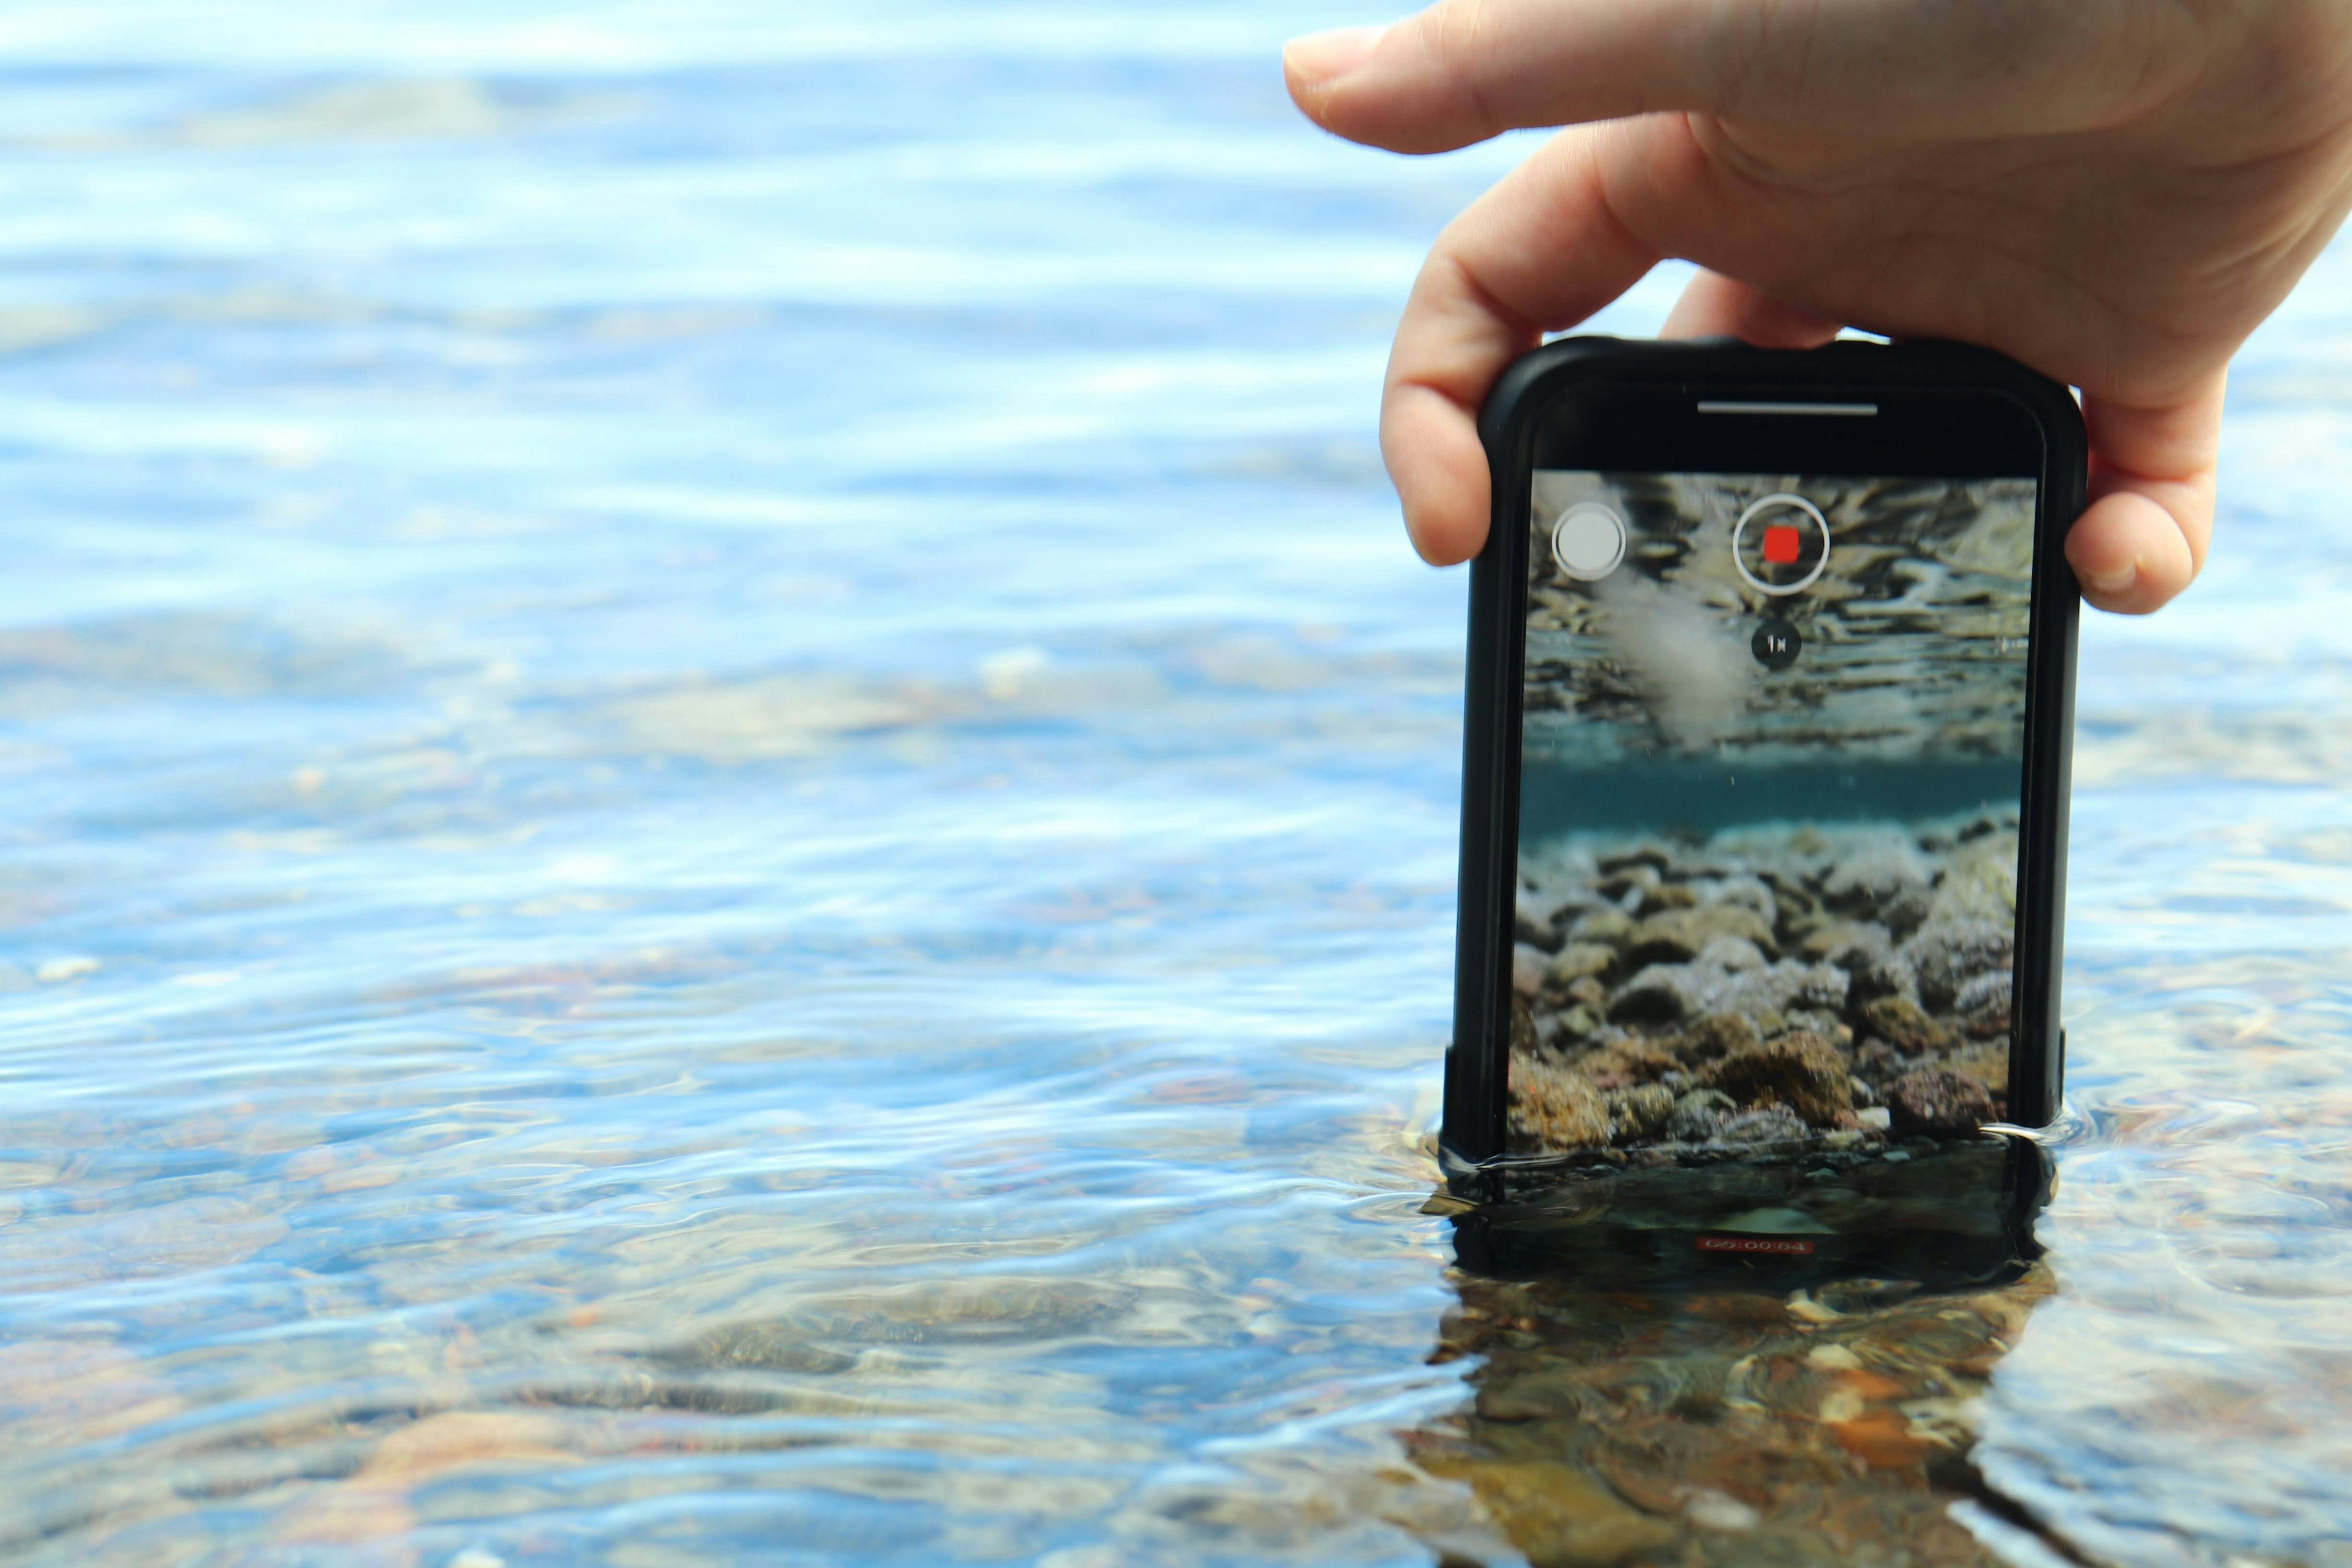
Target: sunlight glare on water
{"x": 730, "y": 824}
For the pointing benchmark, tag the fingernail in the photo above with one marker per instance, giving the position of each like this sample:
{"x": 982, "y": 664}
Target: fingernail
{"x": 2115, "y": 582}
{"x": 1321, "y": 58}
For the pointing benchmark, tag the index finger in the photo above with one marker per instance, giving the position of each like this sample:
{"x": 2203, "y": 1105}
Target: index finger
{"x": 1463, "y": 71}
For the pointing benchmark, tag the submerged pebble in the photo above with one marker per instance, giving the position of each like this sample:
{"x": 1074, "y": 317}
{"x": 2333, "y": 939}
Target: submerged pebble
{"x": 1933, "y": 1100}
{"x": 1798, "y": 1071}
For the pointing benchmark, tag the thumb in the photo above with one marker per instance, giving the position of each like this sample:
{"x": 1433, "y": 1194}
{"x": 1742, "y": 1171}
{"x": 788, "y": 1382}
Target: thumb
{"x": 2143, "y": 538}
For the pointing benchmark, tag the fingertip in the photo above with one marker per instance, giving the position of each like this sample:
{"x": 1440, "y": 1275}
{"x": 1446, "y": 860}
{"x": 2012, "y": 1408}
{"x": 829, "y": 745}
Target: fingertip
{"x": 1714, "y": 306}
{"x": 1327, "y": 79}
{"x": 1314, "y": 64}
{"x": 1445, "y": 539}
{"x": 2129, "y": 554}
{"x": 1439, "y": 468}
{"x": 1376, "y": 86}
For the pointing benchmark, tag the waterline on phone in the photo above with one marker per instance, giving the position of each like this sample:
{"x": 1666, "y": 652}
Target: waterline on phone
{"x": 1679, "y": 797}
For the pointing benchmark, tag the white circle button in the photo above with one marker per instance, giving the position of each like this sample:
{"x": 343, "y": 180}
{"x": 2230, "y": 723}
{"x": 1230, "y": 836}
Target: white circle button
{"x": 1588, "y": 542}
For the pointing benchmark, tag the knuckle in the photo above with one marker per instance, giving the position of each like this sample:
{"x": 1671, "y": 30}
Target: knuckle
{"x": 1460, "y": 39}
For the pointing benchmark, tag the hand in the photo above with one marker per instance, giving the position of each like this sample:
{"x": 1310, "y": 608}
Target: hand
{"x": 2115, "y": 192}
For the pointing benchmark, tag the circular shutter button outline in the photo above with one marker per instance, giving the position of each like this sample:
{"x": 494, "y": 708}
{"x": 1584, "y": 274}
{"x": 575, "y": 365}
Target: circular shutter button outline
{"x": 1741, "y": 531}
{"x": 1584, "y": 568}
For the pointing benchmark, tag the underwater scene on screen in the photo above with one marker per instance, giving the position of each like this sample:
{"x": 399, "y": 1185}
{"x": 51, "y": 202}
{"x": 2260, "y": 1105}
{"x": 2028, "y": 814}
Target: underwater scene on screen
{"x": 1771, "y": 760}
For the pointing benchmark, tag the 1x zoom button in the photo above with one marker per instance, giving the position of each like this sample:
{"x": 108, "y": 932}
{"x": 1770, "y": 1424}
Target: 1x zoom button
{"x": 1776, "y": 644}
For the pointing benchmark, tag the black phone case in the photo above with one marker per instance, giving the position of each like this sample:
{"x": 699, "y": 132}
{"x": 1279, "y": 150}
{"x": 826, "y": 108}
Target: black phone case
{"x": 1477, "y": 1063}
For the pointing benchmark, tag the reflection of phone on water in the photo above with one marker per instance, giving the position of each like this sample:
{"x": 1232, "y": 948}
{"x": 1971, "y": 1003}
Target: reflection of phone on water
{"x": 1688, "y": 1408}
{"x": 1770, "y": 674}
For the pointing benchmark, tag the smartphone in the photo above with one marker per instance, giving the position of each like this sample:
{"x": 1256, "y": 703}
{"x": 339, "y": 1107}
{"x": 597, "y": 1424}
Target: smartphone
{"x": 1771, "y": 685}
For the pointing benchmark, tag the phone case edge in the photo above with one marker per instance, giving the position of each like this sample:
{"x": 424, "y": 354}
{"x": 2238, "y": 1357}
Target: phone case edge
{"x": 1475, "y": 1098}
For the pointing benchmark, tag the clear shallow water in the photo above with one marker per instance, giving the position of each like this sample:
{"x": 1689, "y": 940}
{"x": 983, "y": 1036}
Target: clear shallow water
{"x": 730, "y": 825}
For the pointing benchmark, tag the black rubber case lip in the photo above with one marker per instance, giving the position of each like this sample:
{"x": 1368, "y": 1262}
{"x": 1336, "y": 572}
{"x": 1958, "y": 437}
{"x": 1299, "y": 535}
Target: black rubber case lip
{"x": 1471, "y": 1140}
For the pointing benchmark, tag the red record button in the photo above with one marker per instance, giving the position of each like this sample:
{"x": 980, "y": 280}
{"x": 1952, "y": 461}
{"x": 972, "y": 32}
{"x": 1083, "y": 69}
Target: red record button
{"x": 1781, "y": 544}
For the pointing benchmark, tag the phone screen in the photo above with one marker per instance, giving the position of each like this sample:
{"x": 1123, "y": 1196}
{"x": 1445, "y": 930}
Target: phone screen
{"x": 1772, "y": 745}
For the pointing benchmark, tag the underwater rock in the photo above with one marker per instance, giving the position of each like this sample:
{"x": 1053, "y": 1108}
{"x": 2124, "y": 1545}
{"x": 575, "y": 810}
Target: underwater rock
{"x": 1640, "y": 1112}
{"x": 1630, "y": 884}
{"x": 373, "y": 1503}
{"x": 1627, "y": 1059}
{"x": 1849, "y": 944}
{"x": 1880, "y": 1061}
{"x": 62, "y": 1391}
{"x": 1580, "y": 959}
{"x": 1821, "y": 1022}
{"x": 1657, "y": 857}
{"x": 1799, "y": 1070}
{"x": 1889, "y": 976}
{"x": 1876, "y": 873}
{"x": 1528, "y": 966}
{"x": 1900, "y": 1022}
{"x": 1980, "y": 883}
{"x": 1699, "y": 1115}
{"x": 1557, "y": 1515}
{"x": 1771, "y": 1124}
{"x": 1983, "y": 1003}
{"x": 1729, "y": 976}
{"x": 1523, "y": 1028}
{"x": 1610, "y": 926}
{"x": 1677, "y": 936}
{"x": 1552, "y": 1108}
{"x": 1668, "y": 896}
{"x": 1529, "y": 932}
{"x": 1821, "y": 986}
{"x": 1934, "y": 1101}
{"x": 1740, "y": 890}
{"x": 1782, "y": 871}
{"x": 1556, "y": 869}
{"x": 1907, "y": 914}
{"x": 766, "y": 1346}
{"x": 1714, "y": 1037}
{"x": 1947, "y": 955}
{"x": 1662, "y": 994}
{"x": 1568, "y": 1029}
{"x": 1987, "y": 1061}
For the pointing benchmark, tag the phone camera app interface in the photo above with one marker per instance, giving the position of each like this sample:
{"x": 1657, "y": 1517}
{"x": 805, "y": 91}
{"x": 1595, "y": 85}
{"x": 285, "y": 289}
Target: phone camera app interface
{"x": 1772, "y": 752}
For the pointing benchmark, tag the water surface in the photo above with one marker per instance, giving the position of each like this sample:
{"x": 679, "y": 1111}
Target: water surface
{"x": 729, "y": 829}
